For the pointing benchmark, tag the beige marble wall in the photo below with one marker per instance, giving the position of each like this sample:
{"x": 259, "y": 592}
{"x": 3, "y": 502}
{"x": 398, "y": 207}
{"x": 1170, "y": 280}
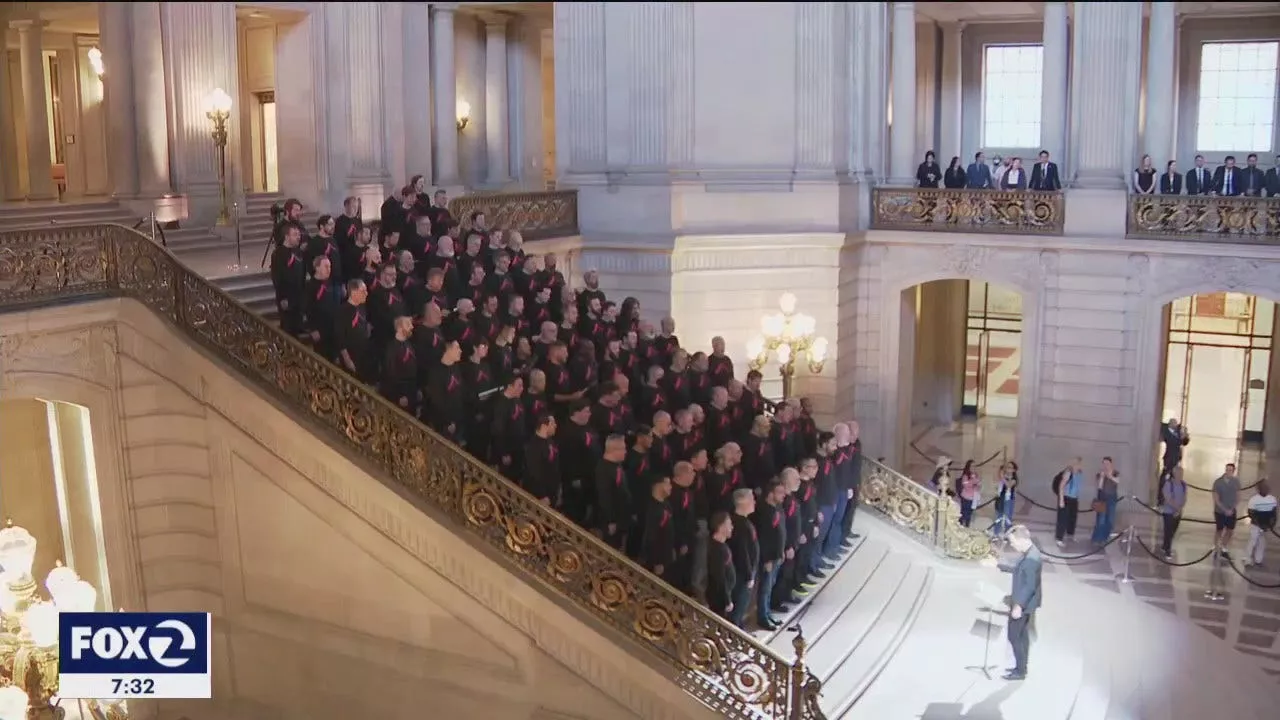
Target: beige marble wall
{"x": 333, "y": 596}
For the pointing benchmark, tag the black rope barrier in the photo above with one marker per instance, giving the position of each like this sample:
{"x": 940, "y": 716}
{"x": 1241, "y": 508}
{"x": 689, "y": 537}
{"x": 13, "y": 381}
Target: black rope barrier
{"x": 1092, "y": 552}
{"x": 952, "y": 465}
{"x": 1081, "y": 511}
{"x": 1170, "y": 563}
{"x": 1209, "y": 490}
{"x": 1201, "y": 521}
{"x": 1248, "y": 579}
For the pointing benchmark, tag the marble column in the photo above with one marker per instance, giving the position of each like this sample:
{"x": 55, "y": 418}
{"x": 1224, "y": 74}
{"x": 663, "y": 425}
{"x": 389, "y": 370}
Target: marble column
{"x": 875, "y": 38}
{"x": 114, "y": 21}
{"x": 1162, "y": 43}
{"x": 1053, "y": 98}
{"x": 417, "y": 97}
{"x": 817, "y": 92}
{"x": 151, "y": 100}
{"x": 10, "y": 182}
{"x": 1271, "y": 421}
{"x": 39, "y": 156}
{"x": 363, "y": 34}
{"x": 1106, "y": 60}
{"x": 497, "y": 141}
{"x": 445, "y": 87}
{"x": 952, "y": 94}
{"x": 902, "y": 134}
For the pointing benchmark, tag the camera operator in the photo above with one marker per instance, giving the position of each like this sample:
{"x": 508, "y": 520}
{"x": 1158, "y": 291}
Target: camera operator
{"x": 282, "y": 216}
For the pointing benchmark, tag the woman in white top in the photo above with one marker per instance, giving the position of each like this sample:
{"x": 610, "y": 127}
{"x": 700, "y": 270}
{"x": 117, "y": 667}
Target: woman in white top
{"x": 1262, "y": 517}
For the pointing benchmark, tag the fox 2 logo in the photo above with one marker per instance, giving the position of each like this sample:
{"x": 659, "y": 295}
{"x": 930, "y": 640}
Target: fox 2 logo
{"x": 133, "y": 643}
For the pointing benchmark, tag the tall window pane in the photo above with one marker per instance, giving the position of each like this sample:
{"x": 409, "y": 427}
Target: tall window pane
{"x": 1012, "y": 80}
{"x": 1237, "y": 97}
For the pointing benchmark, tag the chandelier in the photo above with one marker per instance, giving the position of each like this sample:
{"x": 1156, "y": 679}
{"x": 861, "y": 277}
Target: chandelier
{"x": 29, "y": 636}
{"x": 788, "y": 336}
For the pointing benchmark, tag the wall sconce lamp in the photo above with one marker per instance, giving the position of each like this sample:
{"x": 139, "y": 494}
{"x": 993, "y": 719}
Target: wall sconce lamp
{"x": 464, "y": 114}
{"x": 95, "y": 62}
{"x": 217, "y": 107}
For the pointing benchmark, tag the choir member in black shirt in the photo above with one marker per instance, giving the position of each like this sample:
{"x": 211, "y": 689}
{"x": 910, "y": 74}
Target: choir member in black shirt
{"x": 658, "y": 546}
{"x": 683, "y": 439}
{"x": 353, "y": 254}
{"x": 502, "y": 355}
{"x": 513, "y": 315}
{"x": 486, "y": 321}
{"x": 542, "y": 475}
{"x": 719, "y": 423}
{"x": 606, "y": 415}
{"x": 385, "y": 305}
{"x": 829, "y": 497}
{"x": 719, "y": 365}
{"x": 446, "y": 406}
{"x": 434, "y": 290}
{"x": 662, "y": 456}
{"x": 348, "y": 226}
{"x": 667, "y": 343}
{"x": 699, "y": 378}
{"x": 675, "y": 381}
{"x": 458, "y": 326}
{"x": 560, "y": 386}
{"x": 508, "y": 429}
{"x": 784, "y": 594}
{"x": 724, "y": 478}
{"x": 428, "y": 341}
{"x": 758, "y": 466}
{"x": 684, "y": 511}
{"x": 392, "y": 213}
{"x": 321, "y": 307}
{"x": 651, "y": 398}
{"x": 412, "y": 290}
{"x": 808, "y": 497}
{"x": 288, "y": 279}
{"x": 583, "y": 369}
{"x": 438, "y": 211}
{"x": 535, "y": 394}
{"x": 323, "y": 243}
{"x": 499, "y": 282}
{"x": 808, "y": 428}
{"x": 477, "y": 378}
{"x": 415, "y": 236}
{"x": 639, "y": 474}
{"x": 582, "y": 448}
{"x": 612, "y": 496}
{"x": 442, "y": 259}
{"x": 750, "y": 403}
{"x": 772, "y": 533}
{"x": 745, "y": 545}
{"x": 351, "y": 334}
{"x": 399, "y": 379}
{"x": 721, "y": 577}
{"x": 786, "y": 445}
{"x": 853, "y": 483}
{"x": 472, "y": 255}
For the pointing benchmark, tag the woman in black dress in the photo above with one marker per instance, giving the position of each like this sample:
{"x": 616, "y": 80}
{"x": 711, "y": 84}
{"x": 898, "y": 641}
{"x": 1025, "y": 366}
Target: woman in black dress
{"x": 1144, "y": 178}
{"x": 954, "y": 178}
{"x": 928, "y": 175}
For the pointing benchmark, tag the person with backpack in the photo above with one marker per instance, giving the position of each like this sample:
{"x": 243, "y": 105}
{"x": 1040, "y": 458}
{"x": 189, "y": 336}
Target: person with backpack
{"x": 1066, "y": 486}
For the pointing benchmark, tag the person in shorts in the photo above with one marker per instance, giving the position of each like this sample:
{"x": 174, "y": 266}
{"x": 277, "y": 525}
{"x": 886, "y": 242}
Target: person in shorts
{"x": 1226, "y": 494}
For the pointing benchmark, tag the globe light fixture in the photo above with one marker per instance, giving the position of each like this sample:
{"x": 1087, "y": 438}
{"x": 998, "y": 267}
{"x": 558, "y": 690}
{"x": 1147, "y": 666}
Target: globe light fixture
{"x": 464, "y": 114}
{"x": 789, "y": 337}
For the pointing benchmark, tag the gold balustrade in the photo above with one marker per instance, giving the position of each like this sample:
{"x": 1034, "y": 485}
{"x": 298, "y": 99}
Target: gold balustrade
{"x": 931, "y": 518}
{"x": 970, "y": 211}
{"x": 537, "y": 215}
{"x": 720, "y": 665}
{"x": 1204, "y": 218}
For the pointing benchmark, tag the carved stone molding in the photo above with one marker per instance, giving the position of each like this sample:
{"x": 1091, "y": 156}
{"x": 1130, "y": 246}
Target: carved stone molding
{"x": 1023, "y": 269}
{"x": 87, "y": 352}
{"x": 1188, "y": 275}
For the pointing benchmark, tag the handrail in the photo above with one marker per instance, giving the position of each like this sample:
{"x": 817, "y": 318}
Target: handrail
{"x": 929, "y": 517}
{"x": 1016, "y": 212}
{"x": 537, "y": 215}
{"x": 1204, "y": 218}
{"x": 720, "y": 665}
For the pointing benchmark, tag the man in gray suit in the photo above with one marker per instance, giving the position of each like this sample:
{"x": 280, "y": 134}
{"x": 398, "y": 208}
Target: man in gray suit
{"x": 1024, "y": 600}
{"x": 978, "y": 176}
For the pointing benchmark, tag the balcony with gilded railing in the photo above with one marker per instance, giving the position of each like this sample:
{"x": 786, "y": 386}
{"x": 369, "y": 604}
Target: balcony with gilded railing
{"x": 536, "y": 215}
{"x": 1205, "y": 218}
{"x": 725, "y": 668}
{"x": 1014, "y": 212}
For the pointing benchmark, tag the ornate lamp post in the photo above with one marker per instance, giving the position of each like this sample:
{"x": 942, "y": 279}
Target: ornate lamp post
{"x": 790, "y": 337}
{"x": 217, "y": 106}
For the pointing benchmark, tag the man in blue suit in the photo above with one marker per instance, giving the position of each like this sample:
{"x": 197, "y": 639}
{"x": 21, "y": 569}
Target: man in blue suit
{"x": 1024, "y": 600}
{"x": 978, "y": 176}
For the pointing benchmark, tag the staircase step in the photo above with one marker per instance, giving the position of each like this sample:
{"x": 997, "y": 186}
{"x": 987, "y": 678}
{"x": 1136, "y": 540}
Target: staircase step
{"x": 841, "y": 590}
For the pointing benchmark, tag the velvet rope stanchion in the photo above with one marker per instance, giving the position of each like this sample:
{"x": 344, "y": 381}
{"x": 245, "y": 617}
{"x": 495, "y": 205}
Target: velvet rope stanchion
{"x": 1170, "y": 563}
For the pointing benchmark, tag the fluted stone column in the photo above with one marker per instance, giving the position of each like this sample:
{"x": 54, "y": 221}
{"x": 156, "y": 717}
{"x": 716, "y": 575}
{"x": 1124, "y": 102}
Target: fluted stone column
{"x": 1162, "y": 57}
{"x": 902, "y": 135}
{"x": 1106, "y": 62}
{"x": 416, "y": 35}
{"x": 875, "y": 38}
{"x": 581, "y": 145}
{"x": 445, "y": 87}
{"x": 952, "y": 92}
{"x": 39, "y": 157}
{"x": 150, "y": 98}
{"x": 816, "y": 91}
{"x": 203, "y": 38}
{"x": 365, "y": 75}
{"x": 1053, "y": 98}
{"x": 497, "y": 142}
{"x": 114, "y": 21}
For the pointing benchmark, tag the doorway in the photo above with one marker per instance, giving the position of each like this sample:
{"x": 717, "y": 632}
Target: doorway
{"x": 266, "y": 171}
{"x": 993, "y": 351}
{"x": 258, "y": 37}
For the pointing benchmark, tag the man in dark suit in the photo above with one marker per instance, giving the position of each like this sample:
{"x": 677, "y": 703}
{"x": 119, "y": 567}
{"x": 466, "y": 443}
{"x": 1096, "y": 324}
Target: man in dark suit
{"x": 1025, "y": 597}
{"x": 978, "y": 176}
{"x": 1044, "y": 176}
{"x": 1226, "y": 179}
{"x": 1273, "y": 179}
{"x": 1171, "y": 180}
{"x": 1199, "y": 180}
{"x": 1252, "y": 180}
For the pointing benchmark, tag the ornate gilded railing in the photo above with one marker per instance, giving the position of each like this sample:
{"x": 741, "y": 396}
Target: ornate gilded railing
{"x": 970, "y": 211}
{"x": 537, "y": 215}
{"x": 929, "y": 517}
{"x": 1204, "y": 218}
{"x": 720, "y": 665}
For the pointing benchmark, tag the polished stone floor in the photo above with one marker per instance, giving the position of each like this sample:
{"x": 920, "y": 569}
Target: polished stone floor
{"x": 1248, "y": 616}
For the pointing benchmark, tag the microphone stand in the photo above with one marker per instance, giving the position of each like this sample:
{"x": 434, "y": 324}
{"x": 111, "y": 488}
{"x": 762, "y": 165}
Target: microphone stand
{"x": 985, "y": 668}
